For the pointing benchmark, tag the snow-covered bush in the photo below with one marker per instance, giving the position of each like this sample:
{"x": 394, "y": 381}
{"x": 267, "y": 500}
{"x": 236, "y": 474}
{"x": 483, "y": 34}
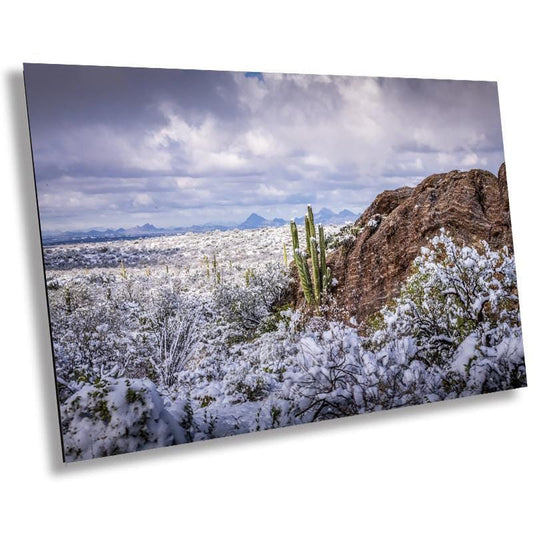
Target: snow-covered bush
{"x": 89, "y": 344}
{"x": 326, "y": 372}
{"x": 246, "y": 305}
{"x": 173, "y": 321}
{"x": 246, "y": 382}
{"x": 344, "y": 237}
{"x": 335, "y": 376}
{"x": 478, "y": 368}
{"x": 117, "y": 416}
{"x": 453, "y": 292}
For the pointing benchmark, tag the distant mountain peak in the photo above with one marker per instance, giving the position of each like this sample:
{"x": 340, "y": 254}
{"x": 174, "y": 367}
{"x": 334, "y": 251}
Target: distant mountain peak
{"x": 148, "y": 227}
{"x": 347, "y": 212}
{"x": 254, "y": 221}
{"x": 255, "y": 216}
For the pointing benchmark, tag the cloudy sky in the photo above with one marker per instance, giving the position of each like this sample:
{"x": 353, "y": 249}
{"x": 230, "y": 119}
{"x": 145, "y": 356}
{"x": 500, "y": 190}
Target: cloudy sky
{"x": 122, "y": 146}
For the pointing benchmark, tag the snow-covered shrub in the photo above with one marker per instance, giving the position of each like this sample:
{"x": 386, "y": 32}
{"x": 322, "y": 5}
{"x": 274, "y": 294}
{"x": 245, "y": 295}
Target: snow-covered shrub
{"x": 478, "y": 369}
{"x": 244, "y": 382}
{"x": 89, "y": 344}
{"x": 374, "y": 222}
{"x": 335, "y": 376}
{"x": 327, "y": 365}
{"x": 173, "y": 321}
{"x": 453, "y": 292}
{"x": 345, "y": 237}
{"x": 117, "y": 416}
{"x": 246, "y": 306}
{"x": 243, "y": 372}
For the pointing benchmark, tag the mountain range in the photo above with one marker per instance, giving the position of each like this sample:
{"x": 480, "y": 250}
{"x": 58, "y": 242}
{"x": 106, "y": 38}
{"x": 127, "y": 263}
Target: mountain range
{"x": 254, "y": 221}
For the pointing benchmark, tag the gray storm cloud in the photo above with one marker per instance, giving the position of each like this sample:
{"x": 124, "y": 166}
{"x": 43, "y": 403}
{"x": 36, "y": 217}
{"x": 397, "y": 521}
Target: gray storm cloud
{"x": 119, "y": 146}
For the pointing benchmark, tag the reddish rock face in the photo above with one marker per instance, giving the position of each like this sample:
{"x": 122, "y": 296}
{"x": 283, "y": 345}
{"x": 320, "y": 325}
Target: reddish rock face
{"x": 370, "y": 270}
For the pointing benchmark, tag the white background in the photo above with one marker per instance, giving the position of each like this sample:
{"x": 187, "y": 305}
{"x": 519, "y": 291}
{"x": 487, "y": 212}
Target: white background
{"x": 461, "y": 466}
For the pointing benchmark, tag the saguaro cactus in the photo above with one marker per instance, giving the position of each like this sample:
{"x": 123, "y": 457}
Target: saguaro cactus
{"x": 314, "y": 282}
{"x": 300, "y": 259}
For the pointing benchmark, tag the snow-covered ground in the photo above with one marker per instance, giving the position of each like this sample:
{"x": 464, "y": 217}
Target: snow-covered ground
{"x": 239, "y": 248}
{"x": 174, "y": 339}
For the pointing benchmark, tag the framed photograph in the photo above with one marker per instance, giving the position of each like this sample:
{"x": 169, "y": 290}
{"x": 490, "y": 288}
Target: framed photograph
{"x": 230, "y": 252}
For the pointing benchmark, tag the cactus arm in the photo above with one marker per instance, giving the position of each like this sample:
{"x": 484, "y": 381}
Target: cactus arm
{"x": 294, "y": 235}
{"x": 305, "y": 278}
{"x": 316, "y": 271}
{"x": 308, "y": 234}
{"x": 311, "y": 218}
{"x": 322, "y": 246}
{"x": 323, "y": 266}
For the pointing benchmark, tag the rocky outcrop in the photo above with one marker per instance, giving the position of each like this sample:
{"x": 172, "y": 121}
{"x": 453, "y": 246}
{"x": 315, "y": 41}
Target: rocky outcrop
{"x": 371, "y": 268}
